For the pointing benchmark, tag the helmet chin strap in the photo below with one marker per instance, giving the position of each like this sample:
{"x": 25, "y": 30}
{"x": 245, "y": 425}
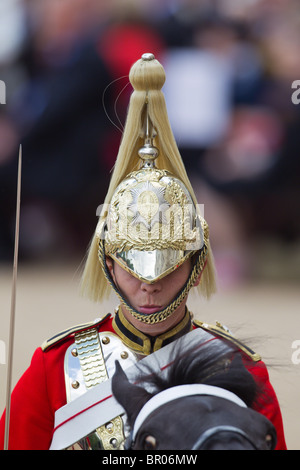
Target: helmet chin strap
{"x": 162, "y": 315}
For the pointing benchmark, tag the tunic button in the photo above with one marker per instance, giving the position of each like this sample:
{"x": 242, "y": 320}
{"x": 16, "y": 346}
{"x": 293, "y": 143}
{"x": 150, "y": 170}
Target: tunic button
{"x": 75, "y": 384}
{"x": 114, "y": 442}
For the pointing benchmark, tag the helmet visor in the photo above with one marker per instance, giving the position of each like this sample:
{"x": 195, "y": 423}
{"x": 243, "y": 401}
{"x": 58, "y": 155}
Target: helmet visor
{"x": 150, "y": 266}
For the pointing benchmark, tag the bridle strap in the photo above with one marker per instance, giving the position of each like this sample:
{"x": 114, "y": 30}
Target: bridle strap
{"x": 181, "y": 391}
{"x": 211, "y": 432}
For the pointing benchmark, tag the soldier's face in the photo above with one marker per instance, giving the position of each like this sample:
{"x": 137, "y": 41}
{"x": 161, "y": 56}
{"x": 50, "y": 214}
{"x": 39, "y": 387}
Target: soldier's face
{"x": 151, "y": 298}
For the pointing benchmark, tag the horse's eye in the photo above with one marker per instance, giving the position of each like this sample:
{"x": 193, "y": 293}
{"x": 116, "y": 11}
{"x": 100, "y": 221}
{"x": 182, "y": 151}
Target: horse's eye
{"x": 150, "y": 443}
{"x": 269, "y": 441}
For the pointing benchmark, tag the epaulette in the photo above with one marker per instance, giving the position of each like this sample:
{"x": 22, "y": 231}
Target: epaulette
{"x": 71, "y": 331}
{"x": 222, "y": 331}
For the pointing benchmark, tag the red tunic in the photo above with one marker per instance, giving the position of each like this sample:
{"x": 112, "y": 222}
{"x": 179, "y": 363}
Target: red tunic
{"x": 41, "y": 391}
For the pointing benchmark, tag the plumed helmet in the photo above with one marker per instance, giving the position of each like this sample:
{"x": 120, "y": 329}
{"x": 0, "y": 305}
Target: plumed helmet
{"x": 150, "y": 222}
{"x": 152, "y": 225}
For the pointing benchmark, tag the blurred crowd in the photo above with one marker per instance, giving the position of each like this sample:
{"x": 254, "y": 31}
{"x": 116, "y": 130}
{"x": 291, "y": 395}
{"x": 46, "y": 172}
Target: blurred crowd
{"x": 230, "y": 67}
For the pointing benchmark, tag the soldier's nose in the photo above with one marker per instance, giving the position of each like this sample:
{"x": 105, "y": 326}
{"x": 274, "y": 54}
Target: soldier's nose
{"x": 151, "y": 288}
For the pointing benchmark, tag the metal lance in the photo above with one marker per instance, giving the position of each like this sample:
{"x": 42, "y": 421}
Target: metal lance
{"x": 13, "y": 306}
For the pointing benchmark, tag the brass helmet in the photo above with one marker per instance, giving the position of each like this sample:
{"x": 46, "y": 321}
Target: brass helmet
{"x": 150, "y": 222}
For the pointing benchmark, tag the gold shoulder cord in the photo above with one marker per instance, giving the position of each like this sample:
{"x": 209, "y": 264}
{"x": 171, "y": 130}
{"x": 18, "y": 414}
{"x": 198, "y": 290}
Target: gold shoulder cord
{"x": 63, "y": 335}
{"x": 93, "y": 367}
{"x": 219, "y": 330}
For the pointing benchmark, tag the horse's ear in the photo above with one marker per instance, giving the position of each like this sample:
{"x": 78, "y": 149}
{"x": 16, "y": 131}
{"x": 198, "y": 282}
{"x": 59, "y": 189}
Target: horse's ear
{"x": 130, "y": 396}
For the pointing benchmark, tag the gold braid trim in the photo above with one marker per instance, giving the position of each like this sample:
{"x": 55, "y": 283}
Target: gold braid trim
{"x": 163, "y": 314}
{"x": 126, "y": 245}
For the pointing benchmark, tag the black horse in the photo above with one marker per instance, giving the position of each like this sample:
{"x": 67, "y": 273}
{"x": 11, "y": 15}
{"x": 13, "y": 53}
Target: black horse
{"x": 203, "y": 400}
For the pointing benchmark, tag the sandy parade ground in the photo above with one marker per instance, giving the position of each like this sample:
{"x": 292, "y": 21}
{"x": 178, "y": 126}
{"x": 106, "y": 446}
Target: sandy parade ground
{"x": 266, "y": 313}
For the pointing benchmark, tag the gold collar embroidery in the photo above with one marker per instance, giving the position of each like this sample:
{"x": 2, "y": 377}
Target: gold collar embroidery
{"x": 143, "y": 344}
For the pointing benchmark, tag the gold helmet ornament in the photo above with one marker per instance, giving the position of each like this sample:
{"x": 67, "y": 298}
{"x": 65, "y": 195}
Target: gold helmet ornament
{"x": 150, "y": 222}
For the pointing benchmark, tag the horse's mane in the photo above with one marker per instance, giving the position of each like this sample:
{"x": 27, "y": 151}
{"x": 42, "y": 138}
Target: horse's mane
{"x": 205, "y": 365}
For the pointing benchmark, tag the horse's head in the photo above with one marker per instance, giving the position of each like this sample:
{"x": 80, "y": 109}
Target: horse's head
{"x": 212, "y": 413}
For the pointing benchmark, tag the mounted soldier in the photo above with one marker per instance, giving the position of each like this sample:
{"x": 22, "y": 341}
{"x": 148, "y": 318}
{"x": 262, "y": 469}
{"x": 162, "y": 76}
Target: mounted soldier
{"x": 151, "y": 247}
